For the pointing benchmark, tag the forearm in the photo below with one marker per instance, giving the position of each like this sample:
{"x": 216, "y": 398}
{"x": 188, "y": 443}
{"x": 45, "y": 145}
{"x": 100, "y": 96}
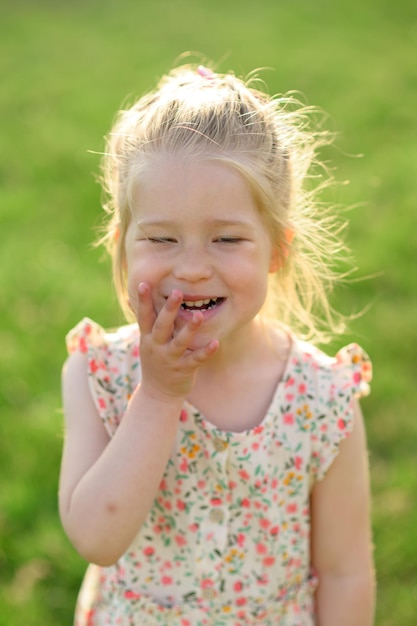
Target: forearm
{"x": 111, "y": 500}
{"x": 346, "y": 600}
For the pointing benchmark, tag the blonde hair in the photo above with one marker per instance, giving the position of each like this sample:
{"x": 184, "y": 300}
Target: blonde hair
{"x": 268, "y": 140}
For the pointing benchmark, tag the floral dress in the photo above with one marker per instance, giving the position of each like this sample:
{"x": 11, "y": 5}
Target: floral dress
{"x": 226, "y": 541}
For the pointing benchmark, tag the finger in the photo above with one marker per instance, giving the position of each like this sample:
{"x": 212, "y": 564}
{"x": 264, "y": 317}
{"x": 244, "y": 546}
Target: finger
{"x": 200, "y": 356}
{"x": 163, "y": 327}
{"x": 183, "y": 339}
{"x": 146, "y": 313}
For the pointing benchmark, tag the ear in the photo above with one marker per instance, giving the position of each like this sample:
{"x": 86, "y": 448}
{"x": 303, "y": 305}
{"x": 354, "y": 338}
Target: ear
{"x": 289, "y": 237}
{"x": 275, "y": 261}
{"x": 278, "y": 256}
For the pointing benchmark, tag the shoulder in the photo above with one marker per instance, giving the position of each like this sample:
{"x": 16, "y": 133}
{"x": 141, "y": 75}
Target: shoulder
{"x": 111, "y": 351}
{"x": 349, "y": 369}
{"x": 87, "y": 335}
{"x": 107, "y": 364}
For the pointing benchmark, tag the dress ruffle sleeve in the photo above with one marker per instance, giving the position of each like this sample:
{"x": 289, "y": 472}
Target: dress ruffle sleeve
{"x": 113, "y": 366}
{"x": 340, "y": 383}
{"x": 84, "y": 336}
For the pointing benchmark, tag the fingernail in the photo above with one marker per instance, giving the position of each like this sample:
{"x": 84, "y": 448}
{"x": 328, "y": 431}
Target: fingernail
{"x": 176, "y": 295}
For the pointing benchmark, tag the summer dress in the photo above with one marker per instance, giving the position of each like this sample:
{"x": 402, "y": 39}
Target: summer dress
{"x": 226, "y": 542}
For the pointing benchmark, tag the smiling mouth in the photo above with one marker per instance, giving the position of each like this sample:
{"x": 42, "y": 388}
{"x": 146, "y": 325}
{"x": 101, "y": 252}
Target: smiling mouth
{"x": 201, "y": 305}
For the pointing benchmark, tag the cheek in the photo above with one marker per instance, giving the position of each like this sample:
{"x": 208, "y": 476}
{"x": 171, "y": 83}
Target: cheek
{"x": 132, "y": 294}
{"x": 139, "y": 270}
{"x": 135, "y": 275}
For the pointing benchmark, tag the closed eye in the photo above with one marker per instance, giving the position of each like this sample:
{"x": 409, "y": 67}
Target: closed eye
{"x": 229, "y": 239}
{"x": 161, "y": 240}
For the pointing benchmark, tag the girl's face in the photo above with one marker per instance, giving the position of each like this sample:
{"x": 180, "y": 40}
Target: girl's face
{"x": 196, "y": 228}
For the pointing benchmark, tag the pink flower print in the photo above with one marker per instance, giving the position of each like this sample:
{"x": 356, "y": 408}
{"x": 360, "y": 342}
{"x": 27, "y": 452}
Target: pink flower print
{"x": 193, "y": 528}
{"x": 242, "y": 600}
{"x": 289, "y": 382}
{"x": 341, "y": 424}
{"x": 181, "y": 506}
{"x": 166, "y": 580}
{"x": 255, "y": 446}
{"x": 289, "y": 397}
{"x": 206, "y": 583}
{"x": 185, "y": 622}
{"x": 244, "y": 474}
{"x": 102, "y": 403}
{"x": 268, "y": 561}
{"x": 302, "y": 388}
{"x": 163, "y": 485}
{"x": 241, "y": 539}
{"x": 183, "y": 416}
{"x": 131, "y": 595}
{"x": 238, "y": 586}
{"x": 366, "y": 370}
{"x": 357, "y": 377}
{"x": 292, "y": 508}
{"x": 298, "y": 462}
{"x": 258, "y": 429}
{"x": 93, "y": 366}
{"x": 274, "y": 531}
{"x": 149, "y": 551}
{"x": 82, "y": 345}
{"x": 261, "y": 548}
{"x": 245, "y": 502}
{"x": 201, "y": 484}
{"x": 216, "y": 501}
{"x": 184, "y": 465}
{"x": 288, "y": 419}
{"x": 264, "y": 523}
{"x": 180, "y": 541}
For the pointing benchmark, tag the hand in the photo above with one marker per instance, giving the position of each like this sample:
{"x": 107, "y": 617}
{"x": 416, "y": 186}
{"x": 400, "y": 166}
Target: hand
{"x": 168, "y": 364}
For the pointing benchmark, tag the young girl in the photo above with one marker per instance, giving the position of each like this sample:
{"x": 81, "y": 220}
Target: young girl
{"x": 215, "y": 468}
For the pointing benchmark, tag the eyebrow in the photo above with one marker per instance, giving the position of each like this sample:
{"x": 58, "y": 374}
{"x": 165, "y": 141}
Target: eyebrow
{"x": 211, "y": 222}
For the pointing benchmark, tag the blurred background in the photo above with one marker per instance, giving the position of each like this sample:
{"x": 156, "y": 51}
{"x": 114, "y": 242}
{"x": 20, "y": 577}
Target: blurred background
{"x": 65, "y": 68}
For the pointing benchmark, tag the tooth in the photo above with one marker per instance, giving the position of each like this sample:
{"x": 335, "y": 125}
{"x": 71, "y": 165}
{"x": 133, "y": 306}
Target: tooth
{"x": 196, "y": 303}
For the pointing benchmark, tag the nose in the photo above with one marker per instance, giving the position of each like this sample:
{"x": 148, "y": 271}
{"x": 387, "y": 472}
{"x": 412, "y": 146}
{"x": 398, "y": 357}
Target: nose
{"x": 192, "y": 265}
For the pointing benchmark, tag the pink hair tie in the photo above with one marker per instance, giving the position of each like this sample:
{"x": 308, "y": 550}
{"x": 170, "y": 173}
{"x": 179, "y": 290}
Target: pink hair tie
{"x": 204, "y": 72}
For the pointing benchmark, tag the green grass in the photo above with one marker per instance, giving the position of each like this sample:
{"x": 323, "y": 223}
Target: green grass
{"x": 65, "y": 68}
